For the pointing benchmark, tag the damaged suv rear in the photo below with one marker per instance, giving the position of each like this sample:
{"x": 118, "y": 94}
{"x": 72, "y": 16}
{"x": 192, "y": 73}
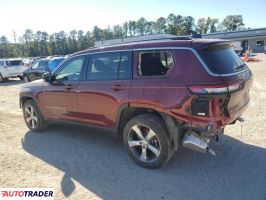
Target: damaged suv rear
{"x": 158, "y": 95}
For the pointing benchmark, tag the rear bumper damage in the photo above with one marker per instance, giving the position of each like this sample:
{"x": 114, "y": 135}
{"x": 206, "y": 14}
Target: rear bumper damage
{"x": 199, "y": 141}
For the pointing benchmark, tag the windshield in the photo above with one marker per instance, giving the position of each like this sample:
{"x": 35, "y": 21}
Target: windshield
{"x": 221, "y": 59}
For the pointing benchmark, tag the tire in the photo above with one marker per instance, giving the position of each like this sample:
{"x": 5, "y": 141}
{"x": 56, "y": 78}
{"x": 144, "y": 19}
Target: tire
{"x": 33, "y": 117}
{"x": 26, "y": 79}
{"x": 1, "y": 78}
{"x": 147, "y": 133}
{"x": 21, "y": 78}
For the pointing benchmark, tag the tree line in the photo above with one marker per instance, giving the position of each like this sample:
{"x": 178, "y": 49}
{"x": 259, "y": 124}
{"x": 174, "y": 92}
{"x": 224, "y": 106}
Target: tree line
{"x": 32, "y": 44}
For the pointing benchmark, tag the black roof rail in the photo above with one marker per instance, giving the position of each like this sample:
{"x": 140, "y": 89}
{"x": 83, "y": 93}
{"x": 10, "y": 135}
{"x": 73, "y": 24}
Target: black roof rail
{"x": 181, "y": 38}
{"x": 144, "y": 38}
{"x": 198, "y": 35}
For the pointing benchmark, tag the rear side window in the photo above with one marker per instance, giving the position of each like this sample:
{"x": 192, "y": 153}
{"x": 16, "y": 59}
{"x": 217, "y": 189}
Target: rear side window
{"x": 221, "y": 59}
{"x": 155, "y": 63}
{"x": 11, "y": 63}
{"x": 110, "y": 66}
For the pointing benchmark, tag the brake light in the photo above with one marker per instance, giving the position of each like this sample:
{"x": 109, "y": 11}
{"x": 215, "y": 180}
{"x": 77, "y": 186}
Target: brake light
{"x": 214, "y": 89}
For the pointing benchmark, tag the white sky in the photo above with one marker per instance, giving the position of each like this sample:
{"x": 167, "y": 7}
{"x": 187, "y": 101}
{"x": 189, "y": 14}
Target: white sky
{"x": 53, "y": 16}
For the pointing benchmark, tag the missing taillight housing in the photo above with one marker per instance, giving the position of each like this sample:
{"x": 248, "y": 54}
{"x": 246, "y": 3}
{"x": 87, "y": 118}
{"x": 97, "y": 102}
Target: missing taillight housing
{"x": 200, "y": 107}
{"x": 214, "y": 89}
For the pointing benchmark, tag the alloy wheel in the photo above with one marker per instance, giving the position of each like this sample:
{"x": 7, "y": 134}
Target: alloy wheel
{"x": 31, "y": 116}
{"x": 144, "y": 143}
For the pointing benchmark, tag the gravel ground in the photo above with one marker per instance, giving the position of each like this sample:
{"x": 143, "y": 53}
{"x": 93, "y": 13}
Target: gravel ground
{"x": 91, "y": 164}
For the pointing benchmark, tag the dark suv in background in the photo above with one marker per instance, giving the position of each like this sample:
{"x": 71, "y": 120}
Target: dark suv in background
{"x": 40, "y": 66}
{"x": 158, "y": 95}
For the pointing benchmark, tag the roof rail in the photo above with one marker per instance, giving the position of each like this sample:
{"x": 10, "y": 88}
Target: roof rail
{"x": 144, "y": 38}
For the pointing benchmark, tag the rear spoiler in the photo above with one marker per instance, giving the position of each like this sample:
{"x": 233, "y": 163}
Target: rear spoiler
{"x": 216, "y": 45}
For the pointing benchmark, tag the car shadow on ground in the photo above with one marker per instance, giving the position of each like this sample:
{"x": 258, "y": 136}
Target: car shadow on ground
{"x": 97, "y": 160}
{"x": 11, "y": 82}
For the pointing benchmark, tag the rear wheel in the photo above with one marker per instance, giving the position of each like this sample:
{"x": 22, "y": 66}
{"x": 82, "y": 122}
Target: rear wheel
{"x": 146, "y": 140}
{"x": 33, "y": 117}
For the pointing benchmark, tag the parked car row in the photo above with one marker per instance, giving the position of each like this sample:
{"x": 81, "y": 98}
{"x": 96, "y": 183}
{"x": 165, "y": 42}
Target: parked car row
{"x": 40, "y": 66}
{"x": 16, "y": 68}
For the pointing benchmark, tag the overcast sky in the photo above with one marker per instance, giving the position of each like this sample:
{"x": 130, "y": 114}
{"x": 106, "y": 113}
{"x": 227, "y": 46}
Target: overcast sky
{"x": 53, "y": 16}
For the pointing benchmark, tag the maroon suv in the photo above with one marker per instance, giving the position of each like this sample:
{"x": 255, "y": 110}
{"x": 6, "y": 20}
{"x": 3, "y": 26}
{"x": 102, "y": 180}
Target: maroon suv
{"x": 158, "y": 95}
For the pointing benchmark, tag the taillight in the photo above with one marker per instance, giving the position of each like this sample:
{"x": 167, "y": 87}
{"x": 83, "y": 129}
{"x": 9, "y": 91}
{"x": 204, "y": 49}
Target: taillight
{"x": 214, "y": 89}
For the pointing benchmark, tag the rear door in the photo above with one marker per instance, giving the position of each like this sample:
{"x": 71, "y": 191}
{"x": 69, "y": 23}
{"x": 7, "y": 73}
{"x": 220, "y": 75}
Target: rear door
{"x": 154, "y": 85}
{"x": 105, "y": 89}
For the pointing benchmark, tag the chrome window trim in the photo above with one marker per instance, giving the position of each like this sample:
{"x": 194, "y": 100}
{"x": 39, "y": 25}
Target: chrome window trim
{"x": 160, "y": 48}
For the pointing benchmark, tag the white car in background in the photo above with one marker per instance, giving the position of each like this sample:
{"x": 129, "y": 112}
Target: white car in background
{"x": 11, "y": 68}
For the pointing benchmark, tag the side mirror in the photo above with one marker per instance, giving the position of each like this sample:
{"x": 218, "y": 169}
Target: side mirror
{"x": 47, "y": 77}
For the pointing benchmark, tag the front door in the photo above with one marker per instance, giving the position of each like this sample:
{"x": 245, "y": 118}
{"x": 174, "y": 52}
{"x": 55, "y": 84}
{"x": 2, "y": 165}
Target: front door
{"x": 105, "y": 89}
{"x": 58, "y": 98}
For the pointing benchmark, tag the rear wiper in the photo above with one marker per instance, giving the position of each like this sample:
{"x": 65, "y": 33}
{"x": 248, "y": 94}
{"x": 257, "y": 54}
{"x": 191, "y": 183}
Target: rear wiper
{"x": 239, "y": 67}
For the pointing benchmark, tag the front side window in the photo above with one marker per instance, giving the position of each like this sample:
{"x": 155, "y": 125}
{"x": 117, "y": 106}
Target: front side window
{"x": 35, "y": 65}
{"x": 70, "y": 71}
{"x": 110, "y": 66}
{"x": 155, "y": 63}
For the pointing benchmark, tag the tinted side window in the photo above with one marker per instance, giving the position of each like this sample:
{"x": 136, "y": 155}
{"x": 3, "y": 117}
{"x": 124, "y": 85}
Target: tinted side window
{"x": 14, "y": 63}
{"x": 155, "y": 63}
{"x": 35, "y": 65}
{"x": 70, "y": 71}
{"x": 2, "y": 63}
{"x": 110, "y": 66}
{"x": 221, "y": 59}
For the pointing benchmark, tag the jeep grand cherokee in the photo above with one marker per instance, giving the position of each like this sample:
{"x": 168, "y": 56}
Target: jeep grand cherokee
{"x": 158, "y": 95}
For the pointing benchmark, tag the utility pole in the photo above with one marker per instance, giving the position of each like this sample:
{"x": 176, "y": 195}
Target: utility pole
{"x": 15, "y": 36}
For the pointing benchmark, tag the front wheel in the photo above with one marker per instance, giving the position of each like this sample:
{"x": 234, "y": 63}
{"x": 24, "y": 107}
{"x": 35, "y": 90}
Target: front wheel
{"x": 146, "y": 140}
{"x": 33, "y": 117}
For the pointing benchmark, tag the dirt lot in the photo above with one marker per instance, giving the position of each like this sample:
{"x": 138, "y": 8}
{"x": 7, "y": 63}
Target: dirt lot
{"x": 91, "y": 164}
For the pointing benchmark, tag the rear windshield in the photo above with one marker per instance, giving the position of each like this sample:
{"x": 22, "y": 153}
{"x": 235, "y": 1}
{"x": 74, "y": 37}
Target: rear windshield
{"x": 14, "y": 63}
{"x": 221, "y": 59}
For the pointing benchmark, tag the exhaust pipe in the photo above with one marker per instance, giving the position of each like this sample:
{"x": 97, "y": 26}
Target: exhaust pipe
{"x": 197, "y": 143}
